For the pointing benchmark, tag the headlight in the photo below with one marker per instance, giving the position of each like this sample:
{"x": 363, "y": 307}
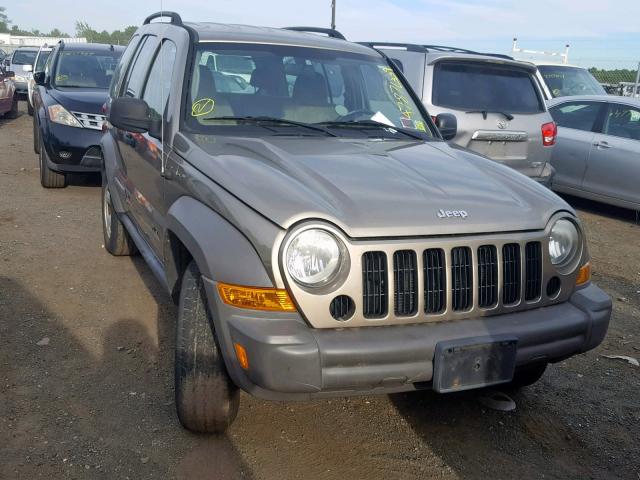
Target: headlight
{"x": 19, "y": 78}
{"x": 564, "y": 242}
{"x": 58, "y": 114}
{"x": 314, "y": 257}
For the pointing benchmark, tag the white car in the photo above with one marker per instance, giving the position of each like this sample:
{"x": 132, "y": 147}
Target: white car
{"x": 38, "y": 66}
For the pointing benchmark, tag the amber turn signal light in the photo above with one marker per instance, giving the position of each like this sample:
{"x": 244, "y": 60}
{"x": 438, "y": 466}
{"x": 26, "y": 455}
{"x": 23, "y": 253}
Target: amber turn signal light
{"x": 584, "y": 275}
{"x": 241, "y": 354}
{"x": 254, "y": 298}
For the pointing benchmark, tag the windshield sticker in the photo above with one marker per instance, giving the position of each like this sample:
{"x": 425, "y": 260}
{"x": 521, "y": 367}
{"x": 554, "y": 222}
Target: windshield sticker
{"x": 61, "y": 78}
{"x": 407, "y": 122}
{"x": 382, "y": 118}
{"x": 202, "y": 107}
{"x": 420, "y": 125}
{"x": 398, "y": 93}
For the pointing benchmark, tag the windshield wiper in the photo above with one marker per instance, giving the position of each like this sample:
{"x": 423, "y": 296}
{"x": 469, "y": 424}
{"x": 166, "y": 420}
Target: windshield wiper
{"x": 484, "y": 113}
{"x": 372, "y": 124}
{"x": 281, "y": 121}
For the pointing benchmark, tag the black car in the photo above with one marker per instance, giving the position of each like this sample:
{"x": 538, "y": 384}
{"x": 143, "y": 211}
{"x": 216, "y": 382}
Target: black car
{"x": 68, "y": 116}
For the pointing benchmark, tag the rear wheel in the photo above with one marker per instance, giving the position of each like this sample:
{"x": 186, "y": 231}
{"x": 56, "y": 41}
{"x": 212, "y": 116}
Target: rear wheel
{"x": 206, "y": 399}
{"x": 13, "y": 113}
{"x": 49, "y": 178}
{"x": 525, "y": 376}
{"x": 117, "y": 240}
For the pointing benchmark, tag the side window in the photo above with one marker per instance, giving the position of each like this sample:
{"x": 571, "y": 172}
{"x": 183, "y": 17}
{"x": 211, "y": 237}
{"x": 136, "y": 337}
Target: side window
{"x": 122, "y": 65}
{"x": 156, "y": 92}
{"x": 137, "y": 73}
{"x": 577, "y": 115}
{"x": 622, "y": 121}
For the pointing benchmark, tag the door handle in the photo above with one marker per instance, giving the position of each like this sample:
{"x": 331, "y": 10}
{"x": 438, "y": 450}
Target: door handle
{"x": 602, "y": 144}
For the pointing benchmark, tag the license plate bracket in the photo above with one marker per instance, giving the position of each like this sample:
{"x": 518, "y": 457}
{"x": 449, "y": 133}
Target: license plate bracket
{"x": 473, "y": 363}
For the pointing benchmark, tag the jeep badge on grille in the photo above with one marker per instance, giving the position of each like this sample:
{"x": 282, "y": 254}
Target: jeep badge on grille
{"x": 452, "y": 213}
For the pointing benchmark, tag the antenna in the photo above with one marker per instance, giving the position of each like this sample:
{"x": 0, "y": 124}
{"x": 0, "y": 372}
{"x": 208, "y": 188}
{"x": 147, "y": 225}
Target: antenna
{"x": 162, "y": 73}
{"x": 333, "y": 14}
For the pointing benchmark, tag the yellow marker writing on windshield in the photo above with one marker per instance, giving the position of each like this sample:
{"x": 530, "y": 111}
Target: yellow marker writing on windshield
{"x": 202, "y": 107}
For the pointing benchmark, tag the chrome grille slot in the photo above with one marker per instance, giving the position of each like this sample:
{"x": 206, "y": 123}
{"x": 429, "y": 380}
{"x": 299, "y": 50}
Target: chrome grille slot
{"x": 533, "y": 271}
{"x": 435, "y": 281}
{"x": 461, "y": 278}
{"x": 487, "y": 276}
{"x": 405, "y": 274}
{"x": 511, "y": 273}
{"x": 93, "y": 121}
{"x": 374, "y": 284}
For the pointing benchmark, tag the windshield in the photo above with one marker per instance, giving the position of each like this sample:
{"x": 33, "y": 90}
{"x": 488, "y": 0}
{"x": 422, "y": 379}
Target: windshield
{"x": 566, "y": 81}
{"x": 296, "y": 85}
{"x": 42, "y": 59}
{"x": 24, "y": 57}
{"x": 485, "y": 87}
{"x": 85, "y": 69}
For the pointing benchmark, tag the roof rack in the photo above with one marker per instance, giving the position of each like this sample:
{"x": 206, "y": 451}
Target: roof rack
{"x": 175, "y": 18}
{"x": 412, "y": 47}
{"x": 330, "y": 32}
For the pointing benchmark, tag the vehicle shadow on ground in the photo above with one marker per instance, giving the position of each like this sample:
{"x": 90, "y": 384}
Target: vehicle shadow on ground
{"x": 66, "y": 411}
{"x": 91, "y": 180}
{"x": 599, "y": 208}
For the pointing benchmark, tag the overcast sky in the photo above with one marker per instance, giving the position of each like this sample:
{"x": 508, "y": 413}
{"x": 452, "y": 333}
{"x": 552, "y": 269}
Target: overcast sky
{"x": 601, "y": 32}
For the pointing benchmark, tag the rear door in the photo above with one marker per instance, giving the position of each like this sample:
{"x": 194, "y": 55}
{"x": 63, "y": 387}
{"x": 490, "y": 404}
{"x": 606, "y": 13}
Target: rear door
{"x": 499, "y": 107}
{"x": 577, "y": 122}
{"x": 613, "y": 168}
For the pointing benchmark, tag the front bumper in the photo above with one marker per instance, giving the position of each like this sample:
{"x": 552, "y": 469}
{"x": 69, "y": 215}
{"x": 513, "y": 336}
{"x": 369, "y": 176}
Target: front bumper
{"x": 71, "y": 149}
{"x": 288, "y": 360}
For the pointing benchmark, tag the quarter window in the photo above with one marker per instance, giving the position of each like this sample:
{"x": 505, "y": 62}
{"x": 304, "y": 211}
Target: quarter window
{"x": 623, "y": 121}
{"x": 156, "y": 92}
{"x": 576, "y": 115}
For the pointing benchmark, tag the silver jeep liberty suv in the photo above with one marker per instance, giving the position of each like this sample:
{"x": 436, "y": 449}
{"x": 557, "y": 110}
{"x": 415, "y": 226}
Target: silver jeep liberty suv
{"x": 320, "y": 238}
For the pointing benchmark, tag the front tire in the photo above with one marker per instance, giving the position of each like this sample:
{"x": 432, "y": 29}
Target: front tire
{"x": 36, "y": 137}
{"x": 206, "y": 399}
{"x": 117, "y": 240}
{"x": 49, "y": 178}
{"x": 29, "y": 108}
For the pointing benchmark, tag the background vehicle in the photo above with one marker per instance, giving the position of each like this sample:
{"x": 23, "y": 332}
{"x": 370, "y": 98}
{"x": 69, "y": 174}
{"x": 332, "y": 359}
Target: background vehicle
{"x": 598, "y": 150}
{"x": 68, "y": 116}
{"x": 8, "y": 97}
{"x": 38, "y": 66}
{"x": 497, "y": 102}
{"x": 292, "y": 219}
{"x": 21, "y": 63}
{"x": 559, "y": 80}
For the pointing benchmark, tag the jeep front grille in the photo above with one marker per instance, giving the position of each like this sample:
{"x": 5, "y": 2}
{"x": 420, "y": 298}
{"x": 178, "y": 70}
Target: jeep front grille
{"x": 463, "y": 267}
{"x": 93, "y": 121}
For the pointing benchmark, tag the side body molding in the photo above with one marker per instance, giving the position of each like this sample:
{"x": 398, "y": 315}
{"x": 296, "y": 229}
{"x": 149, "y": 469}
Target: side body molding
{"x": 222, "y": 253}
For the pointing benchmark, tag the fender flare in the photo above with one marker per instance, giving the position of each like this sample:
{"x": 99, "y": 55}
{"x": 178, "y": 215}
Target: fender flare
{"x": 222, "y": 252}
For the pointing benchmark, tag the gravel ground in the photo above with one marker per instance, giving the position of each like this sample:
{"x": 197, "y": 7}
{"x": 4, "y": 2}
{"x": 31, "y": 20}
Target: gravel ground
{"x": 86, "y": 373}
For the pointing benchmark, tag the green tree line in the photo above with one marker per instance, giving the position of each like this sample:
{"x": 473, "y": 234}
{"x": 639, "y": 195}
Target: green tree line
{"x": 614, "y": 76}
{"x": 83, "y": 29}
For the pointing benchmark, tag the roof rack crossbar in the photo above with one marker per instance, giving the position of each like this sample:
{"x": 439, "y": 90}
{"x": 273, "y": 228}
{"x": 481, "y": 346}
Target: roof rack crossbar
{"x": 443, "y": 48}
{"x": 175, "y": 18}
{"x": 327, "y": 31}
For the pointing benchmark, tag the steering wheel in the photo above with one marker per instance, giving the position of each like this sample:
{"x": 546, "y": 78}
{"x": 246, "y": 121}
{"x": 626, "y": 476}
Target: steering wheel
{"x": 356, "y": 115}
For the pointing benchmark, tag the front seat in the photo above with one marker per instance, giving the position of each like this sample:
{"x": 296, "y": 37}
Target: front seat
{"x": 310, "y": 99}
{"x": 206, "y": 89}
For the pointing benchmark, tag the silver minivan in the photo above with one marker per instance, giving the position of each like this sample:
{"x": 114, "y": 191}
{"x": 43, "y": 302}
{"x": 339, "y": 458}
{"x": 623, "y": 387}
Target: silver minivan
{"x": 498, "y": 102}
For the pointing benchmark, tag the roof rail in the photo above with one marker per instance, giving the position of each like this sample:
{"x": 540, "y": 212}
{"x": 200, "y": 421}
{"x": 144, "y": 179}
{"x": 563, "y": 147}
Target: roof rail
{"x": 443, "y": 48}
{"x": 411, "y": 47}
{"x": 175, "y": 18}
{"x": 331, "y": 32}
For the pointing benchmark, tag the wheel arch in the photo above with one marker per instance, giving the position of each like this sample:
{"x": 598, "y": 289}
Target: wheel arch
{"x": 221, "y": 252}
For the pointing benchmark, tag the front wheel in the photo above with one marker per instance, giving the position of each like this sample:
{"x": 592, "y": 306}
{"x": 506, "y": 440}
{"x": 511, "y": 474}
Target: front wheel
{"x": 207, "y": 401}
{"x": 117, "y": 240}
{"x": 49, "y": 178}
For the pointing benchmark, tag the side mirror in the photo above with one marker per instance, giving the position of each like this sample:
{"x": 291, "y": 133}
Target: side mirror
{"x": 7, "y": 62}
{"x": 39, "y": 78}
{"x": 9, "y": 74}
{"x": 130, "y": 114}
{"x": 447, "y": 124}
{"x": 27, "y": 68}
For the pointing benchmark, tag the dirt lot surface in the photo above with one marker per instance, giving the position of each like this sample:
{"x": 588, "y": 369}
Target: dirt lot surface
{"x": 87, "y": 389}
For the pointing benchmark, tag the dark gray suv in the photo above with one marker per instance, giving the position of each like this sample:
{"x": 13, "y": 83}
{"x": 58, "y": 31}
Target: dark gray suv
{"x": 320, "y": 238}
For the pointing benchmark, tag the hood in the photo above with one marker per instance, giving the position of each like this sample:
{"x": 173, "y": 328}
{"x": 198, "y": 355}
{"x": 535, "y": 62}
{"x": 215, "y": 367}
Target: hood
{"x": 372, "y": 188}
{"x": 85, "y": 100}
